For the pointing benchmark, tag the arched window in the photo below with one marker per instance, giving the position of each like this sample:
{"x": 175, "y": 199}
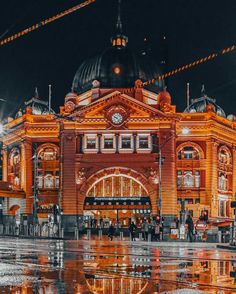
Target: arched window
{"x": 48, "y": 166}
{"x": 188, "y": 153}
{"x": 117, "y": 186}
{"x": 14, "y": 168}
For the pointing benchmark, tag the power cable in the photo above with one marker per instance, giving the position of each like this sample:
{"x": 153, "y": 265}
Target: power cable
{"x": 44, "y": 22}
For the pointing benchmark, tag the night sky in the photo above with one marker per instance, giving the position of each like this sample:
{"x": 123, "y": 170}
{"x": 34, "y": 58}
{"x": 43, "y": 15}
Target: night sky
{"x": 52, "y": 54}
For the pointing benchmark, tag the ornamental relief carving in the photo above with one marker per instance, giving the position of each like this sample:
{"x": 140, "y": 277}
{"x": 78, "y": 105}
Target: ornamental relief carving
{"x": 154, "y": 176}
{"x": 80, "y": 176}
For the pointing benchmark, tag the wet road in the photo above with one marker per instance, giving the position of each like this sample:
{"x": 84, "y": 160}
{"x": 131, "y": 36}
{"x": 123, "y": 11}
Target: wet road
{"x": 43, "y": 266}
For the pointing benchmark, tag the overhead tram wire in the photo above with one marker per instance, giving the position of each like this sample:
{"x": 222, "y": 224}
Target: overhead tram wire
{"x": 146, "y": 83}
{"x": 45, "y": 22}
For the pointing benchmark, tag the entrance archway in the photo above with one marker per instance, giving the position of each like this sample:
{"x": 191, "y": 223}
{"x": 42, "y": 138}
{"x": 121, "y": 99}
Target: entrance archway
{"x": 117, "y": 195}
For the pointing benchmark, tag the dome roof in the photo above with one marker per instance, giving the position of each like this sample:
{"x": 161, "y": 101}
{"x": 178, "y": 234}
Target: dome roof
{"x": 37, "y": 105}
{"x": 204, "y": 103}
{"x": 114, "y": 68}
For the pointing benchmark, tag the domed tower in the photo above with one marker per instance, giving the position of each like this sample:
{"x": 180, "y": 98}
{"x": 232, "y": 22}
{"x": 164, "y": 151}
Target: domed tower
{"x": 34, "y": 106}
{"x": 116, "y": 67}
{"x": 205, "y": 104}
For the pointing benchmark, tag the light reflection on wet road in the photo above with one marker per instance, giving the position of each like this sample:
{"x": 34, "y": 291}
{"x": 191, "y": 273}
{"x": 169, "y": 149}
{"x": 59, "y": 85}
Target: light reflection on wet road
{"x": 42, "y": 266}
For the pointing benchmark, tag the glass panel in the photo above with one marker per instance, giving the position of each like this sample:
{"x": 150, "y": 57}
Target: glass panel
{"x": 91, "y": 143}
{"x": 143, "y": 142}
{"x": 126, "y": 142}
{"x": 188, "y": 179}
{"x": 197, "y": 179}
{"x": 108, "y": 143}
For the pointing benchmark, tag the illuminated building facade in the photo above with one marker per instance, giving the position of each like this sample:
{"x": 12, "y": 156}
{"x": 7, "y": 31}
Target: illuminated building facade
{"x": 99, "y": 156}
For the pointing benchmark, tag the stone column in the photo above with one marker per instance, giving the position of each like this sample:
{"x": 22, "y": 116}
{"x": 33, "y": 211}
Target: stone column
{"x": 169, "y": 189}
{"x": 27, "y": 170}
{"x": 233, "y": 179}
{"x": 69, "y": 199}
{"x": 4, "y": 163}
{"x": 212, "y": 177}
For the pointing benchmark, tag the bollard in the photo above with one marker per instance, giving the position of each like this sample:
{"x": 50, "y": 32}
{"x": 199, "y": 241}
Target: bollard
{"x": 140, "y": 237}
{"x": 100, "y": 234}
{"x": 62, "y": 232}
{"x": 88, "y": 234}
{"x": 121, "y": 236}
{"x": 149, "y": 237}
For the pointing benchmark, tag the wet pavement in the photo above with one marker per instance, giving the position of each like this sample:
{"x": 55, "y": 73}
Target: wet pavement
{"x": 50, "y": 266}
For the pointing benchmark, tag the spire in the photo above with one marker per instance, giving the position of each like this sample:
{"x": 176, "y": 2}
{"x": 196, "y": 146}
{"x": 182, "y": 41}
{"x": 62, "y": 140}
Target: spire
{"x": 36, "y": 93}
{"x": 119, "y": 39}
{"x": 203, "y": 91}
{"x": 119, "y": 23}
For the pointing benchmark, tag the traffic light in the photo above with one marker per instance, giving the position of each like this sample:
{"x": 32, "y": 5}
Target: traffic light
{"x": 233, "y": 204}
{"x": 158, "y": 219}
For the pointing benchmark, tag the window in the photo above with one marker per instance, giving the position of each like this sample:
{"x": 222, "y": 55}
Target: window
{"x": 108, "y": 143}
{"x": 48, "y": 181}
{"x": 126, "y": 142}
{"x": 197, "y": 179}
{"x": 143, "y": 142}
{"x": 179, "y": 178}
{"x": 224, "y": 156}
{"x": 197, "y": 200}
{"x": 91, "y": 143}
{"x": 188, "y": 179}
{"x": 222, "y": 208}
{"x": 188, "y": 153}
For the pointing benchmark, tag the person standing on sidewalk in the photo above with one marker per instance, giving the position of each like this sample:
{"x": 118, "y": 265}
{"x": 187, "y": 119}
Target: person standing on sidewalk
{"x": 111, "y": 231}
{"x": 189, "y": 222}
{"x": 132, "y": 229}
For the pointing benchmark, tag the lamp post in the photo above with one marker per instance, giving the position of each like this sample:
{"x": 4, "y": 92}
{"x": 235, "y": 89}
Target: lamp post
{"x": 35, "y": 188}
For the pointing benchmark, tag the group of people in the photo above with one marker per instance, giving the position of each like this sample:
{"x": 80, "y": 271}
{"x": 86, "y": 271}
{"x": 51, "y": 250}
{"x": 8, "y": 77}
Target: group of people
{"x": 151, "y": 229}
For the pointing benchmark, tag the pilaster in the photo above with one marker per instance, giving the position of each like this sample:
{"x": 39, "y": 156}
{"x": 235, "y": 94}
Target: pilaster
{"x": 212, "y": 176}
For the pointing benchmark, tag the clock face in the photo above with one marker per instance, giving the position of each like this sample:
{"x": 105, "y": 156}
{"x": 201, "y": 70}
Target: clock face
{"x": 117, "y": 118}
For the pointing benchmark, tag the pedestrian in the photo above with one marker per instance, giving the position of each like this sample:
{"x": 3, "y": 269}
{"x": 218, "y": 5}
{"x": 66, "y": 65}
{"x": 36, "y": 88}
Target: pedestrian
{"x": 111, "y": 231}
{"x": 189, "y": 223}
{"x": 157, "y": 232}
{"x": 132, "y": 229}
{"x": 146, "y": 229}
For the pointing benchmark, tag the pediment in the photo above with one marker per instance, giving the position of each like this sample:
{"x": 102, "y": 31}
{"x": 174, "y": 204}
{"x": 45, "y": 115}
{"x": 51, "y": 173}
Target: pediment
{"x": 133, "y": 107}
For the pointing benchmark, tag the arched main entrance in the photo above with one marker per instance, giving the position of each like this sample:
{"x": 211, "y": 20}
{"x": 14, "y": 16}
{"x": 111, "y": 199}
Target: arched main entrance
{"x": 117, "y": 196}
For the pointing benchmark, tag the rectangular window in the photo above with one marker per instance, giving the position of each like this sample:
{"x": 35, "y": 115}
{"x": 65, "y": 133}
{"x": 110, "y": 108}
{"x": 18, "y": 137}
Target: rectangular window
{"x": 222, "y": 208}
{"x": 197, "y": 200}
{"x": 91, "y": 143}
{"x": 188, "y": 155}
{"x": 143, "y": 142}
{"x": 179, "y": 178}
{"x": 188, "y": 178}
{"x": 108, "y": 143}
{"x": 126, "y": 142}
{"x": 197, "y": 179}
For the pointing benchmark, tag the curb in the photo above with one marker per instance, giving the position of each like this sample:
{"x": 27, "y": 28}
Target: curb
{"x": 227, "y": 247}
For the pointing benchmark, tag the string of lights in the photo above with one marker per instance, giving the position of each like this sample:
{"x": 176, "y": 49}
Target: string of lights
{"x": 45, "y": 22}
{"x": 182, "y": 68}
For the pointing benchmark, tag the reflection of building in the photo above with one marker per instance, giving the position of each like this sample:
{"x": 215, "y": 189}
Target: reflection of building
{"x": 104, "y": 144}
